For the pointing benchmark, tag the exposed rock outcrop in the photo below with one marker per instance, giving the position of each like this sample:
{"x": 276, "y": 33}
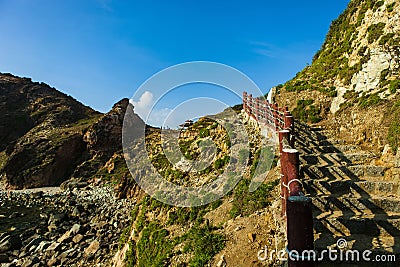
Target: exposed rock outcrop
{"x": 47, "y": 137}
{"x": 354, "y": 80}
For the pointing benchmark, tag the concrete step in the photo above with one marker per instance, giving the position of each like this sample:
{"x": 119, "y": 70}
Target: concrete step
{"x": 304, "y": 142}
{"x": 380, "y": 188}
{"x": 353, "y": 203}
{"x": 315, "y": 149}
{"x": 368, "y": 224}
{"x": 346, "y": 186}
{"x": 346, "y": 158}
{"x": 315, "y": 187}
{"x": 354, "y": 172}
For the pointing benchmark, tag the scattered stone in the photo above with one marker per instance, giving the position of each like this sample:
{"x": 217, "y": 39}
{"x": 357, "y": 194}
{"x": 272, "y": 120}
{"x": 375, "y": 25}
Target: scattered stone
{"x": 30, "y": 261}
{"x": 222, "y": 262}
{"x": 42, "y": 246}
{"x": 75, "y": 229}
{"x": 55, "y": 246}
{"x": 4, "y": 258}
{"x": 9, "y": 242}
{"x": 58, "y": 238}
{"x": 92, "y": 248}
{"x": 52, "y": 262}
{"x": 34, "y": 242}
{"x": 65, "y": 237}
{"x": 238, "y": 228}
{"x": 77, "y": 238}
{"x": 251, "y": 237}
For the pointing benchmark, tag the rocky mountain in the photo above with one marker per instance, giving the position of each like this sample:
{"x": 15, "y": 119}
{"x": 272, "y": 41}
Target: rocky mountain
{"x": 48, "y": 137}
{"x": 353, "y": 82}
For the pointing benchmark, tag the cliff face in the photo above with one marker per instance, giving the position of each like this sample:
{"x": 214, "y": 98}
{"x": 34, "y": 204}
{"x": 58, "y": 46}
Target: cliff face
{"x": 355, "y": 73}
{"x": 47, "y": 137}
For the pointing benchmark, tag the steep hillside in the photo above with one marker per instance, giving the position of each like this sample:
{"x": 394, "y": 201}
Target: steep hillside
{"x": 354, "y": 79}
{"x": 47, "y": 137}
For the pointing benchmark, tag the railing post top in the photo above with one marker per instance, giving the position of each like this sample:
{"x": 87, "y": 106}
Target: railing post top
{"x": 299, "y": 199}
{"x": 290, "y": 150}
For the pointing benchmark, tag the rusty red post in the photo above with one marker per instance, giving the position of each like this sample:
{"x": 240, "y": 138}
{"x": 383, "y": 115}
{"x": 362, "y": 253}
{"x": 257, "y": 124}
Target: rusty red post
{"x": 300, "y": 232}
{"x": 275, "y": 107}
{"x": 289, "y": 122}
{"x": 292, "y": 171}
{"x": 284, "y": 189}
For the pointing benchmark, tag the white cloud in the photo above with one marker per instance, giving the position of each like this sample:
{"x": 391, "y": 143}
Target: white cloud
{"x": 143, "y": 107}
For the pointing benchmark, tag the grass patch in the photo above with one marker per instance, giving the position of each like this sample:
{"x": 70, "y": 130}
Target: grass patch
{"x": 394, "y": 86}
{"x": 246, "y": 203}
{"x": 393, "y": 135}
{"x": 204, "y": 243}
{"x": 390, "y": 7}
{"x": 307, "y": 112}
{"x": 154, "y": 247}
{"x": 366, "y": 101}
{"x": 375, "y": 31}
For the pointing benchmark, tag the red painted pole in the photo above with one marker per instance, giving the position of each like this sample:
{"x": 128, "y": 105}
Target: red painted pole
{"x": 292, "y": 171}
{"x": 289, "y": 122}
{"x": 300, "y": 232}
{"x": 298, "y": 214}
{"x": 284, "y": 189}
{"x": 275, "y": 107}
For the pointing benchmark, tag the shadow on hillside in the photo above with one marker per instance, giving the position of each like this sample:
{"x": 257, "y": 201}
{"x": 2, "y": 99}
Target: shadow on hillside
{"x": 331, "y": 178}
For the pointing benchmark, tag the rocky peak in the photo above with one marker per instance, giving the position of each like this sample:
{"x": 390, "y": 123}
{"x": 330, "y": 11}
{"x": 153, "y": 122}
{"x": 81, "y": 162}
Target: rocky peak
{"x": 47, "y": 137}
{"x": 105, "y": 136}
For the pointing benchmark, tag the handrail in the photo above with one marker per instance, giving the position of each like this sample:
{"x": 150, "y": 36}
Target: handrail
{"x": 296, "y": 208}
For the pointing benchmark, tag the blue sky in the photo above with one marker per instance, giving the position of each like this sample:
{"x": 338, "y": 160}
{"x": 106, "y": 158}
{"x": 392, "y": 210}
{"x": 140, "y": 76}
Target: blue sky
{"x": 100, "y": 51}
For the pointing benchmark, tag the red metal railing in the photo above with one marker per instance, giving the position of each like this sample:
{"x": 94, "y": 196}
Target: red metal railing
{"x": 296, "y": 208}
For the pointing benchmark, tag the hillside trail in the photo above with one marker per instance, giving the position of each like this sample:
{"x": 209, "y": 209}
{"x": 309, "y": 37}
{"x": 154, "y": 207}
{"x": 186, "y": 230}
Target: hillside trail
{"x": 355, "y": 196}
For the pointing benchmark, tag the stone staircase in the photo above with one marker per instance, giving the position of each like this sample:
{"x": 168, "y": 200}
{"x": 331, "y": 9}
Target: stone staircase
{"x": 352, "y": 198}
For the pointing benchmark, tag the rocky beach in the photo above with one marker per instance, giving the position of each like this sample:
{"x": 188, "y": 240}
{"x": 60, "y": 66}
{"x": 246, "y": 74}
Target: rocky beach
{"x": 50, "y": 227}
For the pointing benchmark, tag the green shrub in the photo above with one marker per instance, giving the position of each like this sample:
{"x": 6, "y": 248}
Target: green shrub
{"x": 377, "y": 5}
{"x": 184, "y": 215}
{"x": 245, "y": 202}
{"x": 221, "y": 162}
{"x": 393, "y": 135}
{"x": 204, "y": 133}
{"x": 390, "y": 7}
{"x": 203, "y": 243}
{"x": 394, "y": 86}
{"x": 362, "y": 50}
{"x": 154, "y": 247}
{"x": 375, "y": 31}
{"x": 237, "y": 108}
{"x": 387, "y": 39}
{"x": 141, "y": 221}
{"x": 124, "y": 237}
{"x": 130, "y": 256}
{"x": 351, "y": 94}
{"x": 369, "y": 100}
{"x": 306, "y": 112}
